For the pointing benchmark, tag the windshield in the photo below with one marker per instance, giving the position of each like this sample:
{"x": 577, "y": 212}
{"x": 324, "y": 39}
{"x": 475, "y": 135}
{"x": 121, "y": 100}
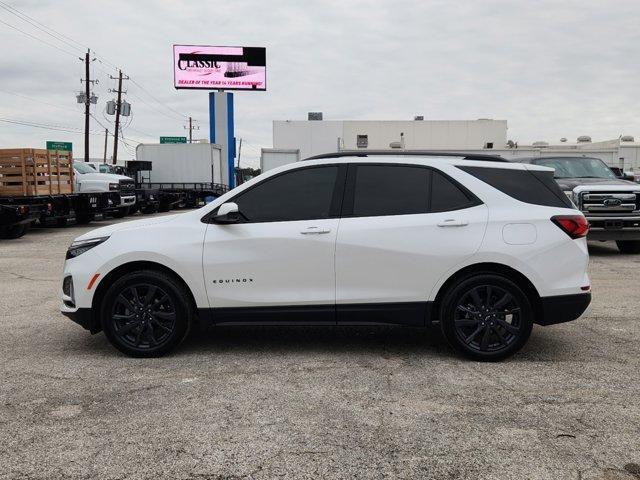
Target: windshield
{"x": 83, "y": 168}
{"x": 578, "y": 167}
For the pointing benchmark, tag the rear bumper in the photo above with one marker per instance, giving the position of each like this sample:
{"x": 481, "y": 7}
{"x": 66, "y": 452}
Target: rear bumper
{"x": 563, "y": 308}
{"x": 84, "y": 318}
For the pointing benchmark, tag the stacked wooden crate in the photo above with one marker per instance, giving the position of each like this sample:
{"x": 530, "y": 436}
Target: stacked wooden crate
{"x": 32, "y": 172}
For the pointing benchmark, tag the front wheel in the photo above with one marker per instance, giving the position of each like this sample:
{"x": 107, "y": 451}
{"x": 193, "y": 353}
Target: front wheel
{"x": 628, "y": 246}
{"x": 121, "y": 212}
{"x": 84, "y": 218}
{"x": 146, "y": 314}
{"x": 486, "y": 317}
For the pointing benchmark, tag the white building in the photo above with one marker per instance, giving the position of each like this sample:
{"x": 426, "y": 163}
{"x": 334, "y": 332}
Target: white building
{"x": 313, "y": 137}
{"x": 301, "y": 139}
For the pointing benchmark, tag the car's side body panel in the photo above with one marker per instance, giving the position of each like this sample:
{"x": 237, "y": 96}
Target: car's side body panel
{"x": 399, "y": 258}
{"x": 270, "y": 264}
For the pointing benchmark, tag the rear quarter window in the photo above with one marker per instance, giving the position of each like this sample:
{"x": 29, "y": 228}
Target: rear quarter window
{"x": 534, "y": 187}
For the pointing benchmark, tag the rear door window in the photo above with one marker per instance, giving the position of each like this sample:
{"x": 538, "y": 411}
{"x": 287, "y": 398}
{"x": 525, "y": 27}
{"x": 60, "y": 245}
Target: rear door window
{"x": 390, "y": 190}
{"x": 383, "y": 189}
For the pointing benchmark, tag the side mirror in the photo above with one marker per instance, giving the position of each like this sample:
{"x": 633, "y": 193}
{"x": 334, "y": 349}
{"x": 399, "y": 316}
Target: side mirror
{"x": 227, "y": 213}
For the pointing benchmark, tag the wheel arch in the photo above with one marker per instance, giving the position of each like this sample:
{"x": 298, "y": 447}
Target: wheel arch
{"x": 491, "y": 268}
{"x": 129, "y": 267}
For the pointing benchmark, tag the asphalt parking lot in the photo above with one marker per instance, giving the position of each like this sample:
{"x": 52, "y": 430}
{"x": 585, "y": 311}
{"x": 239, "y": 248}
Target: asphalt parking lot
{"x": 314, "y": 403}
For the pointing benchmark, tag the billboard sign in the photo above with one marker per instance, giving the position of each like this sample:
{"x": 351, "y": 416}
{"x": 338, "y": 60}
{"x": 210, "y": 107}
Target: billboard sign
{"x": 219, "y": 68}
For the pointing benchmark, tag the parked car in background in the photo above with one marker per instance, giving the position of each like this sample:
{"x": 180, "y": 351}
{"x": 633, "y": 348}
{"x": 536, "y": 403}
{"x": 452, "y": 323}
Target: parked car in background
{"x": 481, "y": 247}
{"x": 88, "y": 180}
{"x": 611, "y": 205}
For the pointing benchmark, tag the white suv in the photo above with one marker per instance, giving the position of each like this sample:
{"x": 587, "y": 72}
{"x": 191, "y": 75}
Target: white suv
{"x": 480, "y": 246}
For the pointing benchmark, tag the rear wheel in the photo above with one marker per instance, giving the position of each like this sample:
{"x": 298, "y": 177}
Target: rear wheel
{"x": 628, "y": 246}
{"x": 146, "y": 313}
{"x": 486, "y": 317}
{"x": 14, "y": 231}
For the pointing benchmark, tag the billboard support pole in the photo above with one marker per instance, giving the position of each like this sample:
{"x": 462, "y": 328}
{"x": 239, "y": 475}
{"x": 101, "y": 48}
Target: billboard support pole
{"x": 221, "y": 130}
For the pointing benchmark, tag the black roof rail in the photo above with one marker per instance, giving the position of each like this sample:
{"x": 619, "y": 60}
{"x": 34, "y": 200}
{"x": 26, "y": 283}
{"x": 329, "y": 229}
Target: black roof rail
{"x": 359, "y": 153}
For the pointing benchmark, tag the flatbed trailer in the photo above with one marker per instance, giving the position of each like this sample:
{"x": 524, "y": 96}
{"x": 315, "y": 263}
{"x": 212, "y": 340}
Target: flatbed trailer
{"x": 17, "y": 214}
{"x": 163, "y": 196}
{"x": 184, "y": 195}
{"x": 81, "y": 206}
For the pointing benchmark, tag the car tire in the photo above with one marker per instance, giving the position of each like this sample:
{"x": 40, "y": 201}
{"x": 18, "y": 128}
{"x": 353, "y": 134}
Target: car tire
{"x": 150, "y": 210}
{"x": 146, "y": 313}
{"x": 84, "y": 218}
{"x": 121, "y": 212}
{"x": 474, "y": 318}
{"x": 628, "y": 246}
{"x": 14, "y": 231}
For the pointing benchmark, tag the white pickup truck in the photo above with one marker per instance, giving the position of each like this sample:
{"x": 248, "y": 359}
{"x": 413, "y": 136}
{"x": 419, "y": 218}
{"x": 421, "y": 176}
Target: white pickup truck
{"x": 88, "y": 180}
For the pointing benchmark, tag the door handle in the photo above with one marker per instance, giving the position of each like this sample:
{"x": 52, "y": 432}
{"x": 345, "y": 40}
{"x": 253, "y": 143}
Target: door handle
{"x": 452, "y": 222}
{"x": 315, "y": 231}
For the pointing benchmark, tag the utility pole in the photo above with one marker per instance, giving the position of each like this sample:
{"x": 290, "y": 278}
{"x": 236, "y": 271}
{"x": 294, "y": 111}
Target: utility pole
{"x": 86, "y": 106}
{"x": 118, "y": 112}
{"x": 87, "y": 98}
{"x": 106, "y": 136}
{"x": 191, "y": 128}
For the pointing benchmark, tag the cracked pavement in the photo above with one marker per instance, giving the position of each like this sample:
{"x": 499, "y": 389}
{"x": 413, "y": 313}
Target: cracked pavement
{"x": 313, "y": 402}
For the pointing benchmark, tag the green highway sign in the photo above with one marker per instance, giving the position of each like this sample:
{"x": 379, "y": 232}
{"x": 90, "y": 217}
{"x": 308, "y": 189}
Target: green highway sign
{"x": 173, "y": 139}
{"x": 65, "y": 146}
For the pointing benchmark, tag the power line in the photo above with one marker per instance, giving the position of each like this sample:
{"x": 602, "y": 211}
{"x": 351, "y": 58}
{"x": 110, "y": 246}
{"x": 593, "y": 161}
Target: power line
{"x": 39, "y": 101}
{"x": 31, "y": 21}
{"x": 182, "y": 116}
{"x": 70, "y": 42}
{"x": 60, "y": 128}
{"x": 155, "y": 109}
{"x": 39, "y": 39}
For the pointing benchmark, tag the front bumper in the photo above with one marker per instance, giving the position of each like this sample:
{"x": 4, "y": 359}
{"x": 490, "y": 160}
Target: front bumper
{"x": 603, "y": 234}
{"x": 613, "y": 228}
{"x": 127, "y": 201}
{"x": 84, "y": 318}
{"x": 563, "y": 308}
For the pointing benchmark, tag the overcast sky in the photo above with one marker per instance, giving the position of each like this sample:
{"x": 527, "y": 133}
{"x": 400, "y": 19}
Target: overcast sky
{"x": 551, "y": 68}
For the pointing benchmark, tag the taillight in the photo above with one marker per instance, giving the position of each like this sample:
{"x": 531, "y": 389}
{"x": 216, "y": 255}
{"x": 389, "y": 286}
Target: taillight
{"x": 576, "y": 226}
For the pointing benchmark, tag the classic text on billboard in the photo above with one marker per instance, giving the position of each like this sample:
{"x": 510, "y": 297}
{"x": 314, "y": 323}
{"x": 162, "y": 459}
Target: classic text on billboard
{"x": 224, "y": 68}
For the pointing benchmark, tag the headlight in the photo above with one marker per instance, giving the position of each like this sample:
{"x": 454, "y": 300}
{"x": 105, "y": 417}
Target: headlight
{"x": 114, "y": 186}
{"x": 80, "y": 246}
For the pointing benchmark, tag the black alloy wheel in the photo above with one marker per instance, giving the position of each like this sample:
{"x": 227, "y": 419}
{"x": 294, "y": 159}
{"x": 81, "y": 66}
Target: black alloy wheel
{"x": 487, "y": 317}
{"x": 146, "y": 313}
{"x": 143, "y": 316}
